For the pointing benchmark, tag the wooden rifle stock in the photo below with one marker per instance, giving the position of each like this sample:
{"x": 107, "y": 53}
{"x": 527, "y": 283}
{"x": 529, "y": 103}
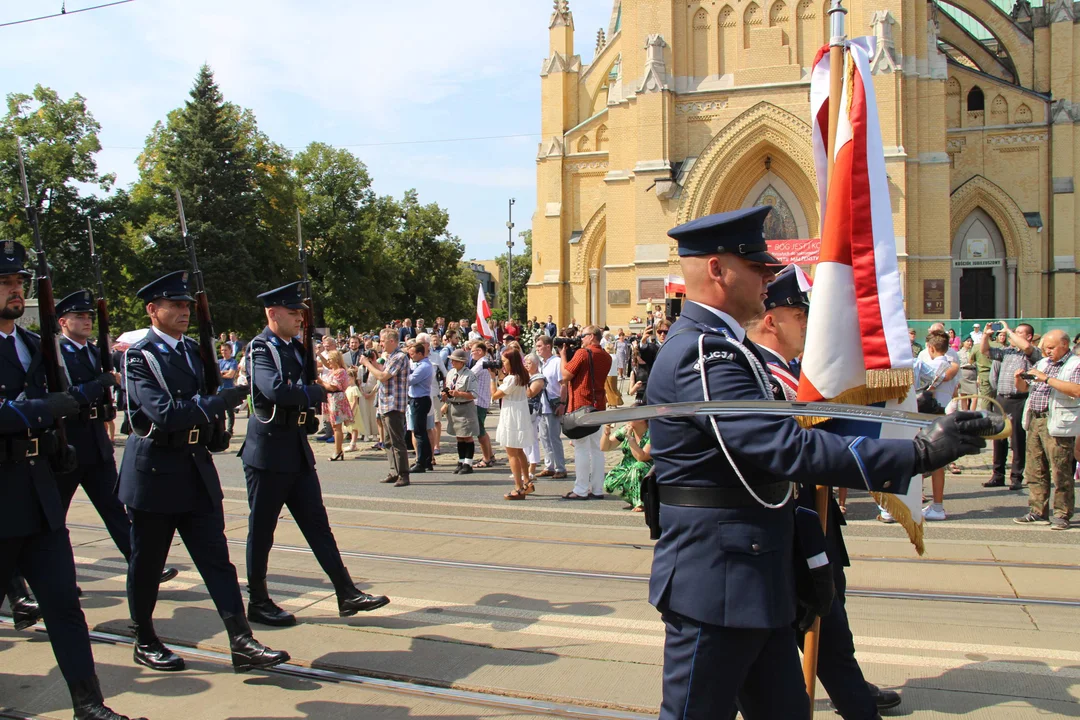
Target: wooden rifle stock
{"x": 211, "y": 376}
{"x": 104, "y": 342}
{"x": 309, "y": 314}
{"x": 55, "y": 376}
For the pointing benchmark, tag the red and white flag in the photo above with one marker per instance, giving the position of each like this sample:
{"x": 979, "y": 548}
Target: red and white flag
{"x": 857, "y": 348}
{"x": 483, "y": 312}
{"x": 674, "y": 284}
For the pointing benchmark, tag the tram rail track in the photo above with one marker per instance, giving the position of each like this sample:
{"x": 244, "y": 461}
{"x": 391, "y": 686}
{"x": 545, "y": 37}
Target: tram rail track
{"x": 638, "y": 578}
{"x": 396, "y": 685}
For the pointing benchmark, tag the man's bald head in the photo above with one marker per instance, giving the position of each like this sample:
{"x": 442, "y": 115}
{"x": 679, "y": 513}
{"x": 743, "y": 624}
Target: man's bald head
{"x": 727, "y": 282}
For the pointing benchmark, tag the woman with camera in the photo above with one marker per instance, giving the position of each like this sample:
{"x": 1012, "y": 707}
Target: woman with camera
{"x": 624, "y": 480}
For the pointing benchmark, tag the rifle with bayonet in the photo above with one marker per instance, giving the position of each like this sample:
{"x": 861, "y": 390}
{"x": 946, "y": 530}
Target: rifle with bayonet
{"x": 220, "y": 438}
{"x": 104, "y": 342}
{"x": 64, "y": 459}
{"x": 311, "y": 422}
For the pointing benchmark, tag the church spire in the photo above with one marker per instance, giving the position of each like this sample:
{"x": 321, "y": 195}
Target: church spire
{"x": 562, "y": 15}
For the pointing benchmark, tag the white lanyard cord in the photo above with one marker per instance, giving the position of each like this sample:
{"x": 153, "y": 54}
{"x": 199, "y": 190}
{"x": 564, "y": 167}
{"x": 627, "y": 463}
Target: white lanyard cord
{"x": 763, "y": 385}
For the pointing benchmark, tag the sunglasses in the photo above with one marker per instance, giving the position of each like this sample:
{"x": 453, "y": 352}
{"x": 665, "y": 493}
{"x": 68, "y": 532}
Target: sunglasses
{"x": 661, "y": 332}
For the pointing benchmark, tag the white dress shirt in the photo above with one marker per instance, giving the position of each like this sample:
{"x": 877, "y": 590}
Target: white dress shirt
{"x": 740, "y": 333}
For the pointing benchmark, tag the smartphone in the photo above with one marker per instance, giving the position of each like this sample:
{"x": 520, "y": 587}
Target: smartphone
{"x": 1027, "y": 376}
{"x": 995, "y": 327}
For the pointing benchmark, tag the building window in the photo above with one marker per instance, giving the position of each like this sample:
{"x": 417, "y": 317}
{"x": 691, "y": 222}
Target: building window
{"x": 975, "y": 100}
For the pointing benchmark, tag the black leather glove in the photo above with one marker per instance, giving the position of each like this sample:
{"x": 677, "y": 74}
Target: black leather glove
{"x": 824, "y": 593}
{"x": 953, "y": 436}
{"x": 61, "y": 404}
{"x": 233, "y": 396}
{"x": 316, "y": 394}
{"x": 107, "y": 380}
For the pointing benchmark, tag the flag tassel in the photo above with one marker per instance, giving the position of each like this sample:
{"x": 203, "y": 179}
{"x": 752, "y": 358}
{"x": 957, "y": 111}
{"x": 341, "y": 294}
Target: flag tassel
{"x": 902, "y": 515}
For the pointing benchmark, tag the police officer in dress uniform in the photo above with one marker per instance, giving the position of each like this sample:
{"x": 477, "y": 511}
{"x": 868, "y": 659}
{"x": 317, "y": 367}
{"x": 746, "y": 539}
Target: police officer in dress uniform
{"x": 96, "y": 471}
{"x": 33, "y": 538}
{"x": 278, "y": 462}
{"x": 168, "y": 480}
{"x": 723, "y": 574}
{"x": 780, "y": 334}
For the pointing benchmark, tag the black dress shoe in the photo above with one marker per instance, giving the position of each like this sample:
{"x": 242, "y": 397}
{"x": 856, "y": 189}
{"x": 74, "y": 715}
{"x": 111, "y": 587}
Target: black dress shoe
{"x": 266, "y": 612}
{"x": 168, "y": 574}
{"x": 457, "y": 470}
{"x": 352, "y": 601}
{"x": 88, "y": 703}
{"x": 25, "y": 612}
{"x": 994, "y": 483}
{"x": 884, "y": 699}
{"x": 466, "y": 469}
{"x": 247, "y": 652}
{"x": 156, "y": 656}
{"x": 417, "y": 468}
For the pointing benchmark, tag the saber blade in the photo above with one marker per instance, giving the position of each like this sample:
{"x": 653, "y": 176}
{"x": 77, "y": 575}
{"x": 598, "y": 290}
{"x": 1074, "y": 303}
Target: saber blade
{"x": 760, "y": 407}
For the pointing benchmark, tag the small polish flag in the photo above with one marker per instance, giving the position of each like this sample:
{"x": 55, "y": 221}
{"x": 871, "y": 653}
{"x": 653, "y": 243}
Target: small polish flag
{"x": 674, "y": 284}
{"x": 483, "y": 312}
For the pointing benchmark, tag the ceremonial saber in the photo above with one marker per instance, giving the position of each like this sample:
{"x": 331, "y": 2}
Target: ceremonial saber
{"x": 775, "y": 408}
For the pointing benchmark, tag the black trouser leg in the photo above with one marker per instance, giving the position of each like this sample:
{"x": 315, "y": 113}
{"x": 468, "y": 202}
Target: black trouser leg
{"x": 203, "y": 533}
{"x": 151, "y": 536}
{"x": 46, "y": 561}
{"x": 230, "y": 415}
{"x": 99, "y": 483}
{"x": 419, "y": 408}
{"x": 305, "y": 502}
{"x": 266, "y": 496}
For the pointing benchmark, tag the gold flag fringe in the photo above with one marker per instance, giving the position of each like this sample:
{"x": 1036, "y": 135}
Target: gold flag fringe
{"x": 881, "y": 385}
{"x": 900, "y": 512}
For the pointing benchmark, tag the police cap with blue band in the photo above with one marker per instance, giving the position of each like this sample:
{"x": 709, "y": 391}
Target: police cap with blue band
{"x": 173, "y": 286}
{"x": 79, "y": 301}
{"x": 289, "y": 296}
{"x": 13, "y": 259}
{"x": 739, "y": 232}
{"x": 784, "y": 291}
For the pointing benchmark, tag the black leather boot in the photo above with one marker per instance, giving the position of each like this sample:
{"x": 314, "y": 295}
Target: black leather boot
{"x": 24, "y": 608}
{"x": 152, "y": 653}
{"x": 261, "y": 609}
{"x": 350, "y": 600}
{"x": 247, "y": 652}
{"x": 89, "y": 704}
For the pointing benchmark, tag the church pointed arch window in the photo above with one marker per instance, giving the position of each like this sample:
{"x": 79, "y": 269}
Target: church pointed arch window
{"x": 727, "y": 39}
{"x": 751, "y": 19}
{"x": 952, "y": 102}
{"x": 999, "y": 111}
{"x": 780, "y": 223}
{"x": 975, "y": 99}
{"x": 1023, "y": 114}
{"x": 700, "y": 39}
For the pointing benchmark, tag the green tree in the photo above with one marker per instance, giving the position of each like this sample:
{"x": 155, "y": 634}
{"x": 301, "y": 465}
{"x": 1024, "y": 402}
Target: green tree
{"x": 212, "y": 151}
{"x": 427, "y": 262}
{"x": 521, "y": 269}
{"x": 59, "y": 142}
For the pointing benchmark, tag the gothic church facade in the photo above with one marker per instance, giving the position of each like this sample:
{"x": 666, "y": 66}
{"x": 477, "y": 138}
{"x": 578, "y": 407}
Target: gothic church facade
{"x": 691, "y": 107}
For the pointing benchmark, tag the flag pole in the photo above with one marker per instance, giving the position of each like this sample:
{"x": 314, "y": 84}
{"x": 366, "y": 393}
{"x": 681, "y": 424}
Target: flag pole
{"x": 837, "y": 40}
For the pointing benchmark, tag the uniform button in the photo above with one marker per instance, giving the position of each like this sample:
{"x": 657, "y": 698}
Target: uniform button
{"x": 153, "y": 469}
{"x": 31, "y": 462}
{"x": 887, "y": 483}
{"x": 755, "y": 547}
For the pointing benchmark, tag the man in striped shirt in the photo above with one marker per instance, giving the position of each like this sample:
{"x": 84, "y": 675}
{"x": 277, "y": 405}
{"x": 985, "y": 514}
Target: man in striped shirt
{"x": 393, "y": 379}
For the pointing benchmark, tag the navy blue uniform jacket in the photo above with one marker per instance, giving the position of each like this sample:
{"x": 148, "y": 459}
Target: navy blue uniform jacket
{"x": 166, "y": 479}
{"x": 90, "y": 439}
{"x": 29, "y": 498}
{"x": 271, "y": 446}
{"x": 733, "y": 567}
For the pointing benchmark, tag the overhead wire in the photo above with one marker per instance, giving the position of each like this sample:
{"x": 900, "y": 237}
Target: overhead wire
{"x": 64, "y": 11}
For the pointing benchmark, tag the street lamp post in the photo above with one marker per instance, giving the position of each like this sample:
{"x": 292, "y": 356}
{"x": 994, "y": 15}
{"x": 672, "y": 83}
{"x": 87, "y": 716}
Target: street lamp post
{"x": 509, "y": 257}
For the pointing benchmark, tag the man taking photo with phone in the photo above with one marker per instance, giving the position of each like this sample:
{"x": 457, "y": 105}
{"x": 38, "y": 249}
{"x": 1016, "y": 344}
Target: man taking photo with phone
{"x": 1018, "y": 356}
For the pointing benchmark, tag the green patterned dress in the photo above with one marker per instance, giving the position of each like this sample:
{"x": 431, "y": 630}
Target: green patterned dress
{"x": 624, "y": 479}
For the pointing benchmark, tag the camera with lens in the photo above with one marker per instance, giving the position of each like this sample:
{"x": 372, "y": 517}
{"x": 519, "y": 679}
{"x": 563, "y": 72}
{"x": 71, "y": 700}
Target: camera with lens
{"x": 371, "y": 355}
{"x": 572, "y": 344}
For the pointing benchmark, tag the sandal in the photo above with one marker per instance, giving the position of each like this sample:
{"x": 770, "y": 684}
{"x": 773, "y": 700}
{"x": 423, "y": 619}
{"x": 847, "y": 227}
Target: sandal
{"x": 483, "y": 464}
{"x": 515, "y": 494}
{"x": 573, "y": 496}
{"x": 529, "y": 488}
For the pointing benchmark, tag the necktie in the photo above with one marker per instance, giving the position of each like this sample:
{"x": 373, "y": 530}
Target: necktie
{"x": 7, "y": 349}
{"x": 184, "y": 354}
{"x": 85, "y": 351}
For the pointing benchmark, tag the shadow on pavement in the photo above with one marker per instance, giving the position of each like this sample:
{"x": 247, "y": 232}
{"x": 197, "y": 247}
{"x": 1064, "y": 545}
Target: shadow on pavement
{"x": 333, "y": 710}
{"x": 1042, "y": 687}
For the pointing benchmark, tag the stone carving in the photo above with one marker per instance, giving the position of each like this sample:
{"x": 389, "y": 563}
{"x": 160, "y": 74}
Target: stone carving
{"x": 1021, "y": 11}
{"x": 806, "y": 10}
{"x": 1023, "y": 114}
{"x": 601, "y": 40}
{"x": 1064, "y": 111}
{"x": 1060, "y": 11}
{"x": 561, "y": 16}
{"x": 955, "y": 144}
{"x": 593, "y": 236}
{"x": 778, "y": 14}
{"x": 884, "y": 60}
{"x": 978, "y": 192}
{"x": 763, "y": 122}
{"x": 655, "y": 78}
{"x": 551, "y": 148}
{"x": 558, "y": 63}
{"x": 936, "y": 61}
{"x": 1019, "y": 139}
{"x": 726, "y": 19}
{"x": 697, "y": 107}
{"x": 588, "y": 166}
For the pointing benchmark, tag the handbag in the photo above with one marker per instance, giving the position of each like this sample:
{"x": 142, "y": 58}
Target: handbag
{"x": 570, "y": 421}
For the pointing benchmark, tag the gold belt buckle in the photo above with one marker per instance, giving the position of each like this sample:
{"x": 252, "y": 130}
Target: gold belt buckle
{"x": 33, "y": 453}
{"x": 301, "y": 419}
{"x": 93, "y": 412}
{"x": 193, "y": 436}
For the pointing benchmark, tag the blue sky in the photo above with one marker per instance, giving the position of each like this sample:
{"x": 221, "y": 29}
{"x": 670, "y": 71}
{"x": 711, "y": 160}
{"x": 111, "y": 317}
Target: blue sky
{"x": 377, "y": 78}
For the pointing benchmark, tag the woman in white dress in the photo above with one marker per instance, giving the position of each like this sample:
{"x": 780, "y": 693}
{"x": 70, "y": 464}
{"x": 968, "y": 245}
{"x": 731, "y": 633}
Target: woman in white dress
{"x": 515, "y": 431}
